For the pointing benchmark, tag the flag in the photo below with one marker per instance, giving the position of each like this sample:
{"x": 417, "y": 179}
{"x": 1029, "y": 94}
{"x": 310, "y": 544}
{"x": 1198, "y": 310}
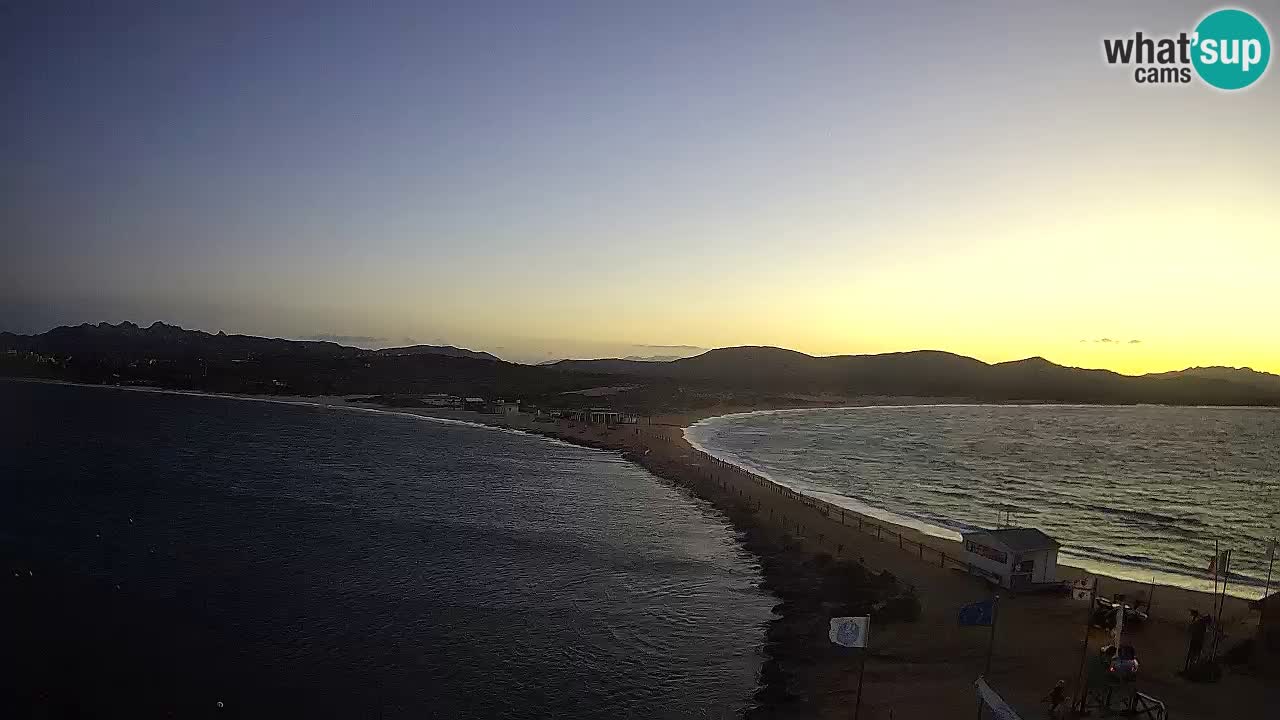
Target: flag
{"x": 849, "y": 631}
{"x": 992, "y": 700}
{"x": 1218, "y": 564}
{"x": 1271, "y": 549}
{"x": 979, "y": 613}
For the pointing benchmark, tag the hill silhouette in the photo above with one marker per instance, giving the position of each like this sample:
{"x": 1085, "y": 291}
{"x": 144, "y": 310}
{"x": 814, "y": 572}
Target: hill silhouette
{"x": 171, "y": 356}
{"x": 160, "y": 340}
{"x": 933, "y": 373}
{"x": 448, "y": 350}
{"x": 1244, "y": 376}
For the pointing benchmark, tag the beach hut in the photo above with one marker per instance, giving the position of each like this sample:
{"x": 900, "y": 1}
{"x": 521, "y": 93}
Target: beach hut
{"x": 599, "y": 416}
{"x": 1013, "y": 558}
{"x": 504, "y": 407}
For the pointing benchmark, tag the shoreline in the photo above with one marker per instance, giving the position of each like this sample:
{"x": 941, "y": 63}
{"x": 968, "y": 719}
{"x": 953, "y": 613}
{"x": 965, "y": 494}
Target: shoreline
{"x": 1165, "y": 578}
{"x": 923, "y": 668}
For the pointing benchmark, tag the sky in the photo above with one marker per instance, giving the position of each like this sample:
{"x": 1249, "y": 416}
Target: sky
{"x": 592, "y": 179}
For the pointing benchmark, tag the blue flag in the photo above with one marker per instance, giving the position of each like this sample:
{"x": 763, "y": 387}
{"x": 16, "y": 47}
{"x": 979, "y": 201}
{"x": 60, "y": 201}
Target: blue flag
{"x": 979, "y": 613}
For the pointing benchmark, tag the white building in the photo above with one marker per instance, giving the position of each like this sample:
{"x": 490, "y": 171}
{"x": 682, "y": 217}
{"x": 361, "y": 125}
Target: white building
{"x": 1013, "y": 558}
{"x": 599, "y": 416}
{"x": 502, "y": 407}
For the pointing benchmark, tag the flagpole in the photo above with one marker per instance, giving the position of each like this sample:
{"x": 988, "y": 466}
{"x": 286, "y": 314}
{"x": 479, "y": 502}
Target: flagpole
{"x": 991, "y": 642}
{"x": 1271, "y": 563}
{"x": 1217, "y": 624}
{"x": 1084, "y": 647}
{"x": 866, "y": 647}
{"x": 1216, "y": 556}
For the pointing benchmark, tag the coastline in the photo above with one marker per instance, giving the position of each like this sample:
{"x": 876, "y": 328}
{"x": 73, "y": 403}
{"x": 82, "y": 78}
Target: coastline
{"x": 1076, "y": 565}
{"x": 920, "y": 669}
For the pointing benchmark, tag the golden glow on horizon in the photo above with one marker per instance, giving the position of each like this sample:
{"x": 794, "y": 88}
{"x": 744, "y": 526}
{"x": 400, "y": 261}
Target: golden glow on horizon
{"x": 1192, "y": 285}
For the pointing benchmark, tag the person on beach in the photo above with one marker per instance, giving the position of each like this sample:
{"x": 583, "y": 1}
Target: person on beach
{"x": 1056, "y": 697}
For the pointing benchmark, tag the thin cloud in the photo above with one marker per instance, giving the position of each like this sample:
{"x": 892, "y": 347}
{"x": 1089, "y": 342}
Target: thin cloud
{"x": 671, "y": 348}
{"x": 1111, "y": 341}
{"x": 344, "y": 339}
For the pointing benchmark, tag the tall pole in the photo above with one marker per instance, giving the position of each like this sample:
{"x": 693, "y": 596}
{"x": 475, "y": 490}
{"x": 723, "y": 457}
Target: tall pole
{"x": 1271, "y": 563}
{"x": 866, "y": 647}
{"x": 1217, "y": 623}
{"x": 1213, "y": 608}
{"x": 991, "y": 642}
{"x": 1084, "y": 647}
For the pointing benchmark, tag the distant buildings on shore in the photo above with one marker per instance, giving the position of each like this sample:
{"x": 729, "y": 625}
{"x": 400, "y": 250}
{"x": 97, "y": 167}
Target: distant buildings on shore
{"x": 510, "y": 408}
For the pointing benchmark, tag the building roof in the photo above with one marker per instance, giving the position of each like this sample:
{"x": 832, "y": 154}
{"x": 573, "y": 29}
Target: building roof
{"x": 1019, "y": 539}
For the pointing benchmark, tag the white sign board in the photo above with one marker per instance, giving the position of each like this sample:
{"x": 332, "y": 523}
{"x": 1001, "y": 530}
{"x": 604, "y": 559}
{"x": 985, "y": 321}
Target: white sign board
{"x": 1083, "y": 588}
{"x": 849, "y": 631}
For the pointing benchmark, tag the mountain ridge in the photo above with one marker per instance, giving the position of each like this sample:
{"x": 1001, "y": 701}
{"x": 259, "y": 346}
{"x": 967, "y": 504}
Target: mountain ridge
{"x": 168, "y": 354}
{"x": 164, "y": 340}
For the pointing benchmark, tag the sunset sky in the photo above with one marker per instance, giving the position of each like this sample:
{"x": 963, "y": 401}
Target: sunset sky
{"x": 543, "y": 180}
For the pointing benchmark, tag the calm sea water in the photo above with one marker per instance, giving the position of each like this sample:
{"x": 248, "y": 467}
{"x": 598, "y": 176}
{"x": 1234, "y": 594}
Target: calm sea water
{"x": 1131, "y": 491}
{"x": 164, "y": 553}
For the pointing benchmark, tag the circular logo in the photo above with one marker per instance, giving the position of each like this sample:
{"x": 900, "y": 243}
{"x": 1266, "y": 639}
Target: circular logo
{"x": 1232, "y": 49}
{"x": 849, "y": 634}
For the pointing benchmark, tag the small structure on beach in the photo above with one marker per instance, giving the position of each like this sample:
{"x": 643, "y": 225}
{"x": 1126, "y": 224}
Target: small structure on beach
{"x": 1013, "y": 558}
{"x": 599, "y": 416}
{"x": 504, "y": 407}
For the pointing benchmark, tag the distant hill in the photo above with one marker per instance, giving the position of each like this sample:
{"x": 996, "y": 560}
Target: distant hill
{"x": 169, "y": 356}
{"x": 932, "y": 373}
{"x": 447, "y": 350}
{"x": 653, "y": 358}
{"x": 160, "y": 340}
{"x": 1245, "y": 376}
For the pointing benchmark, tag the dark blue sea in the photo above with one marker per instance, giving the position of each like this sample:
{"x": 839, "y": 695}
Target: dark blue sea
{"x": 164, "y": 553}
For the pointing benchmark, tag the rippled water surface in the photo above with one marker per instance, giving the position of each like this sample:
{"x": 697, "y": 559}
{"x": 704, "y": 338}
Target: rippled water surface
{"x": 1133, "y": 491}
{"x": 165, "y": 553}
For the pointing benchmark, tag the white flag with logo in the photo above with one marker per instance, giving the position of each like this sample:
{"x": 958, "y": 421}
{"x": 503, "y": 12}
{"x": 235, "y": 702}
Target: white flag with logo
{"x": 849, "y": 631}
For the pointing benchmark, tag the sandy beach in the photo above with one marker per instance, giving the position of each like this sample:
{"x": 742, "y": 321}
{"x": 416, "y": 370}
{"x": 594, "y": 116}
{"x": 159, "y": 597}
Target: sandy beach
{"x": 919, "y": 669}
